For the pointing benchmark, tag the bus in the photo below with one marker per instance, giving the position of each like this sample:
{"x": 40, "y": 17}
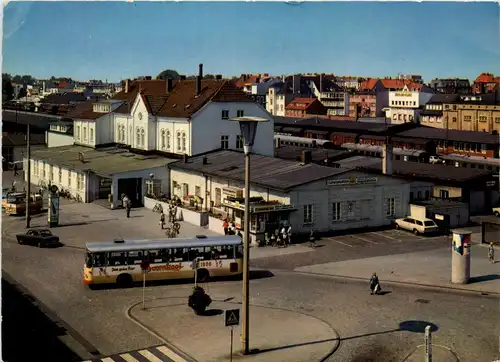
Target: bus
{"x": 16, "y": 204}
{"x": 119, "y": 261}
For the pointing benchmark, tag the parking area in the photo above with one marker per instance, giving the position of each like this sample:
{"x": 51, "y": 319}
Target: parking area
{"x": 382, "y": 238}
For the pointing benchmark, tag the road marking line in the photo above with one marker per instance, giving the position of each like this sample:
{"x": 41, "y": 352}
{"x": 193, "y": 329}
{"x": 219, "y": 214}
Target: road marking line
{"x": 170, "y": 354}
{"x": 107, "y": 359}
{"x": 128, "y": 357}
{"x": 361, "y": 238}
{"x": 151, "y": 357}
{"x": 384, "y": 236}
{"x": 340, "y": 242}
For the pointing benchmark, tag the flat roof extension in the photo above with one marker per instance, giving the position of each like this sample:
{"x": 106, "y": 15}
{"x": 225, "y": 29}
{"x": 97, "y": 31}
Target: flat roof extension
{"x": 268, "y": 172}
{"x": 104, "y": 162}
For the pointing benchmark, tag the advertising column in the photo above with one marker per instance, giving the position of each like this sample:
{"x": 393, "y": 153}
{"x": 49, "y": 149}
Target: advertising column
{"x": 460, "y": 256}
{"x": 53, "y": 212}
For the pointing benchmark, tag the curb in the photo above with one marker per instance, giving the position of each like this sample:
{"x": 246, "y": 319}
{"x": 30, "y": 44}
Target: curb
{"x": 187, "y": 358}
{"x": 433, "y": 345}
{"x": 408, "y": 284}
{"x": 151, "y": 331}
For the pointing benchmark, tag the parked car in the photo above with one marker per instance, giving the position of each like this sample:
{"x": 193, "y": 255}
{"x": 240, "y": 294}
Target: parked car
{"x": 38, "y": 237}
{"x": 417, "y": 225}
{"x": 435, "y": 159}
{"x": 496, "y": 211}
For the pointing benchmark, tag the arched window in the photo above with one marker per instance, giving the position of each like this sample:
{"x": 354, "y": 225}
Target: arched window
{"x": 178, "y": 141}
{"x": 138, "y": 136}
{"x": 143, "y": 136}
{"x": 123, "y": 133}
{"x": 183, "y": 142}
{"x": 163, "y": 143}
{"x": 168, "y": 140}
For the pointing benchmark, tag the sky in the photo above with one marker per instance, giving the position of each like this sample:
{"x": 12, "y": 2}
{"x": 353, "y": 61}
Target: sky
{"x": 118, "y": 40}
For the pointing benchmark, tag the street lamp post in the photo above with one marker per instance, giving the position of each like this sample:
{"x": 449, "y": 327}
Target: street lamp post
{"x": 248, "y": 127}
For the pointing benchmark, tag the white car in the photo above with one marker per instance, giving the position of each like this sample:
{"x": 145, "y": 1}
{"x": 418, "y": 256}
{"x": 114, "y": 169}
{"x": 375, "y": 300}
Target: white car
{"x": 417, "y": 226}
{"x": 435, "y": 159}
{"x": 496, "y": 211}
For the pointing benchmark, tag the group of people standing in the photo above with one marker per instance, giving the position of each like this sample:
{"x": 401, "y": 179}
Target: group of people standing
{"x": 230, "y": 229}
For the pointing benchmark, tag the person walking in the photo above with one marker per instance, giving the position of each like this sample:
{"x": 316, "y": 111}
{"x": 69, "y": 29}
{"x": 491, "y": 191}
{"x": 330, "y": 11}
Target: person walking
{"x": 491, "y": 253}
{"x": 289, "y": 234}
{"x": 374, "y": 284}
{"x": 312, "y": 239}
{"x": 128, "y": 207}
{"x": 226, "y": 227}
{"x": 15, "y": 170}
{"x": 162, "y": 220}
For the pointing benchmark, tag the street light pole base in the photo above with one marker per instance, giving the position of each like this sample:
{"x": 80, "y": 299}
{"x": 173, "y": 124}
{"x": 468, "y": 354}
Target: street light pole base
{"x": 250, "y": 352}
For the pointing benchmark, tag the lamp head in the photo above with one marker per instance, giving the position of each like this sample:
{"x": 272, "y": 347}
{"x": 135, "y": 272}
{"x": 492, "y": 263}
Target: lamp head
{"x": 248, "y": 127}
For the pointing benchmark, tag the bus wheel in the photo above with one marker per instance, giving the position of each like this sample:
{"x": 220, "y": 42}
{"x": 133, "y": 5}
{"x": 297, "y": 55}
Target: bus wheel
{"x": 124, "y": 280}
{"x": 203, "y": 275}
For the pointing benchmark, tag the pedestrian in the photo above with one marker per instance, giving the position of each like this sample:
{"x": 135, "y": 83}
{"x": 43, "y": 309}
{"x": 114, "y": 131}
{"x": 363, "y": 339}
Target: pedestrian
{"x": 226, "y": 227}
{"x": 312, "y": 239}
{"x": 128, "y": 206}
{"x": 491, "y": 253}
{"x": 233, "y": 228}
{"x": 162, "y": 220}
{"x": 289, "y": 234}
{"x": 15, "y": 170}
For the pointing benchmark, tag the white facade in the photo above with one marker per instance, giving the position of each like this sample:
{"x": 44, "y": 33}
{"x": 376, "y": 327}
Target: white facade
{"x": 57, "y": 139}
{"x": 277, "y": 102}
{"x": 209, "y": 127}
{"x": 405, "y": 105}
{"x": 325, "y": 205}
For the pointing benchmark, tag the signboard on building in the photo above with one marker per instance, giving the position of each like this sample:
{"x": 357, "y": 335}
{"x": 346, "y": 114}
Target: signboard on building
{"x": 402, "y": 94}
{"x": 352, "y": 181}
{"x": 258, "y": 208}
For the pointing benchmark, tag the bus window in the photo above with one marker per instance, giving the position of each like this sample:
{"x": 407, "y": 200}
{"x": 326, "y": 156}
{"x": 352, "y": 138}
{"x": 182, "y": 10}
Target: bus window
{"x": 180, "y": 254}
{"x": 98, "y": 259}
{"x": 238, "y": 251}
{"x": 154, "y": 256}
{"x": 226, "y": 252}
{"x": 196, "y": 253}
{"x": 135, "y": 257}
{"x": 88, "y": 260}
{"x": 207, "y": 253}
{"x": 117, "y": 259}
{"x": 216, "y": 252}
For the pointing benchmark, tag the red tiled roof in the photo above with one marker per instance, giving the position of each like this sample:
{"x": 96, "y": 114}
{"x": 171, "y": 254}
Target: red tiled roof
{"x": 300, "y": 103}
{"x": 368, "y": 84}
{"x": 181, "y": 101}
{"x": 84, "y": 110}
{"x": 485, "y": 78}
{"x": 62, "y": 85}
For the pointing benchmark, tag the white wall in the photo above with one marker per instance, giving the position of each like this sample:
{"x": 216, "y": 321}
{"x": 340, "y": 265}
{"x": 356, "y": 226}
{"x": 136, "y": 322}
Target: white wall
{"x": 177, "y": 129}
{"x": 56, "y": 139}
{"x": 369, "y": 203}
{"x": 94, "y": 132}
{"x": 208, "y": 127}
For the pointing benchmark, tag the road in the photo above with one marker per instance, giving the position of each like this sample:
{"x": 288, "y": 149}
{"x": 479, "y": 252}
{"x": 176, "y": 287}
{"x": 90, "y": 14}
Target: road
{"x": 98, "y": 319}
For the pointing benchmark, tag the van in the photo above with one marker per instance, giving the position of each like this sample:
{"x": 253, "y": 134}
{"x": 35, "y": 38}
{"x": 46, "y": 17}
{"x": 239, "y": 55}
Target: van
{"x": 417, "y": 225}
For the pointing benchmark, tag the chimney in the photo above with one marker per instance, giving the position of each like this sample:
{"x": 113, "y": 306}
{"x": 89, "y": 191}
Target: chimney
{"x": 185, "y": 158}
{"x": 218, "y": 76}
{"x": 198, "y": 85}
{"x": 169, "y": 85}
{"x": 277, "y": 143}
{"x": 205, "y": 161}
{"x": 200, "y": 71}
{"x": 306, "y": 157}
{"x": 387, "y": 157}
{"x": 127, "y": 81}
{"x": 321, "y": 83}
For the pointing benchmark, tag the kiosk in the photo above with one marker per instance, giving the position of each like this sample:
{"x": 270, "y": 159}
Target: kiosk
{"x": 460, "y": 256}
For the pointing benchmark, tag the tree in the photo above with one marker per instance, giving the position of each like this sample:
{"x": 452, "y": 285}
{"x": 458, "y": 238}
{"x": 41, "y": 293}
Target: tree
{"x": 7, "y": 90}
{"x": 17, "y": 79}
{"x": 169, "y": 74}
{"x": 209, "y": 76}
{"x": 22, "y": 93}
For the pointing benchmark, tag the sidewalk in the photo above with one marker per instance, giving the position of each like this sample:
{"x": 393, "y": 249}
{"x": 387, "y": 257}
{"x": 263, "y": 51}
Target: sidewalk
{"x": 428, "y": 268}
{"x": 279, "y": 335}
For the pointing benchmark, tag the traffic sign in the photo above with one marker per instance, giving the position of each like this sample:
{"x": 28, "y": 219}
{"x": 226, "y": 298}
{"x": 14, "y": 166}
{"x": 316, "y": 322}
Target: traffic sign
{"x": 145, "y": 265}
{"x": 232, "y": 317}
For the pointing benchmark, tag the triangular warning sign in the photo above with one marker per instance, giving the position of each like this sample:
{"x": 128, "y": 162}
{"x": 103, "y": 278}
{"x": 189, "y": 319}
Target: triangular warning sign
{"x": 232, "y": 318}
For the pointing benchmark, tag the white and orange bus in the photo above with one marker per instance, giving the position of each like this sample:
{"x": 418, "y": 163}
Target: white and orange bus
{"x": 119, "y": 261}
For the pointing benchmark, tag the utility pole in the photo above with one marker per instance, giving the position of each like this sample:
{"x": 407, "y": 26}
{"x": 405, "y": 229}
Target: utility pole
{"x": 28, "y": 172}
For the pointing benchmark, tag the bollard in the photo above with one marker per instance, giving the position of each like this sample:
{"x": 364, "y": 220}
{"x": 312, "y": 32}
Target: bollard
{"x": 428, "y": 344}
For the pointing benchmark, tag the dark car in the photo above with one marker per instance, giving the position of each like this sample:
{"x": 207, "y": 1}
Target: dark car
{"x": 39, "y": 237}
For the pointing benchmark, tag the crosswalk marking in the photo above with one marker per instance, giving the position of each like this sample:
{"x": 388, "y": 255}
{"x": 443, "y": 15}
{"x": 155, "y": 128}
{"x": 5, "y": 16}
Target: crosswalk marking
{"x": 151, "y": 357}
{"x": 153, "y": 354}
{"x": 127, "y": 357}
{"x": 173, "y": 356}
